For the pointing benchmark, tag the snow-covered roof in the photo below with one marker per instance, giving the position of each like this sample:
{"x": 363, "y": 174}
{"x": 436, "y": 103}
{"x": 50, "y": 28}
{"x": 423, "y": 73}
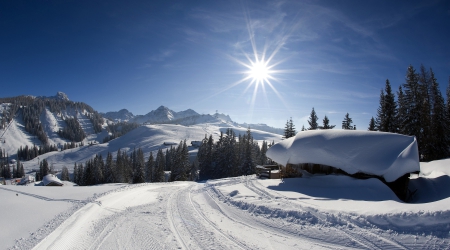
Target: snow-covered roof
{"x": 51, "y": 180}
{"x": 377, "y": 153}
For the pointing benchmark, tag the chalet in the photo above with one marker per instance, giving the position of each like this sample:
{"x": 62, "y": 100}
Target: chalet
{"x": 51, "y": 180}
{"x": 361, "y": 154}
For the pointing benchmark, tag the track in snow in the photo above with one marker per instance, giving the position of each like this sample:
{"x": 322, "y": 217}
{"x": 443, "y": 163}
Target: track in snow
{"x": 188, "y": 215}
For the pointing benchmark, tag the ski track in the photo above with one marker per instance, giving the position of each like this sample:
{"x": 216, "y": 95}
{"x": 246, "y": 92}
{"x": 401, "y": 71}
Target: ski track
{"x": 343, "y": 227}
{"x": 188, "y": 215}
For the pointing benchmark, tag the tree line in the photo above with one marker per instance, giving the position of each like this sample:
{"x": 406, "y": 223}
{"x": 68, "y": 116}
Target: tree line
{"x": 419, "y": 110}
{"x": 134, "y": 168}
{"x": 5, "y": 167}
{"x": 230, "y": 156}
{"x": 289, "y": 130}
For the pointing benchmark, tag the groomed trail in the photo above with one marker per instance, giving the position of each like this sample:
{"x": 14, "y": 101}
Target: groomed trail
{"x": 189, "y": 215}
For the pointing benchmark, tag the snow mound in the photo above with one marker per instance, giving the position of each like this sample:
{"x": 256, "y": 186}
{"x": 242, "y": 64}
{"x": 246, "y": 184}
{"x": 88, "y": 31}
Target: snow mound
{"x": 376, "y": 153}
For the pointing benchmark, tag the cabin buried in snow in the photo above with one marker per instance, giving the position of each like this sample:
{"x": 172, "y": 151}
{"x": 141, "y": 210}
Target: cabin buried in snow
{"x": 361, "y": 154}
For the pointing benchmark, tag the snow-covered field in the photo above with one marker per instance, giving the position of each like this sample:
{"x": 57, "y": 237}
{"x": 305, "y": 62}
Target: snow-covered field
{"x": 312, "y": 212}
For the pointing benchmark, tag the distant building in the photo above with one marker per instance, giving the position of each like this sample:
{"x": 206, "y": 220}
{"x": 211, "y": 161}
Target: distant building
{"x": 196, "y": 143}
{"x": 51, "y": 180}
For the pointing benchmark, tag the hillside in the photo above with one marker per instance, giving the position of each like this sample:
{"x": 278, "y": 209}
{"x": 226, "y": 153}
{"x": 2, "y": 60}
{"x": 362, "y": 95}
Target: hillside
{"x": 149, "y": 138}
{"x": 39, "y": 121}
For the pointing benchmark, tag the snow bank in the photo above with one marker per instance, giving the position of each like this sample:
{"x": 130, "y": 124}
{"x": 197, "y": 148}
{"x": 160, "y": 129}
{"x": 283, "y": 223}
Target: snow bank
{"x": 376, "y": 153}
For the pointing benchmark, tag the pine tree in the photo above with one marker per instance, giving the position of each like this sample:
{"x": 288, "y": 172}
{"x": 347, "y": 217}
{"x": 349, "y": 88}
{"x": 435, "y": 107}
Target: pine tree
{"x": 402, "y": 109}
{"x": 413, "y": 101}
{"x": 248, "y": 166}
{"x": 426, "y": 100}
{"x": 205, "y": 158}
{"x": 439, "y": 142}
{"x": 289, "y": 130}
{"x": 65, "y": 174}
{"x": 150, "y": 166}
{"x": 386, "y": 119}
{"x": 312, "y": 121}
{"x": 372, "y": 125}
{"x": 43, "y": 168}
{"x": 160, "y": 165}
{"x": 109, "y": 169}
{"x": 139, "y": 171}
{"x": 193, "y": 176}
{"x": 326, "y": 124}
{"x": 75, "y": 174}
{"x": 347, "y": 122}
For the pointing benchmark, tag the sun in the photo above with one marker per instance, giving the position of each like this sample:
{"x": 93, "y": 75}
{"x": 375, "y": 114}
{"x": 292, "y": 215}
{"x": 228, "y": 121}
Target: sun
{"x": 259, "y": 71}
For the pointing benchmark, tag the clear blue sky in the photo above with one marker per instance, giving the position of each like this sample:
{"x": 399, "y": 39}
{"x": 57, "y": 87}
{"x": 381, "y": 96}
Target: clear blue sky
{"x": 331, "y": 55}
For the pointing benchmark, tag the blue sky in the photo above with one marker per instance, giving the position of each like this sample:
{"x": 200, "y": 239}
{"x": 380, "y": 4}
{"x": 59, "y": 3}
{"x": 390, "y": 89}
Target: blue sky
{"x": 331, "y": 55}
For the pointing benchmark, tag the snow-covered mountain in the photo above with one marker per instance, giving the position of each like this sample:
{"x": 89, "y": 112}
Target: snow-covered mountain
{"x": 122, "y": 115}
{"x": 163, "y": 114}
{"x": 29, "y": 121}
{"x": 59, "y": 96}
{"x": 263, "y": 127}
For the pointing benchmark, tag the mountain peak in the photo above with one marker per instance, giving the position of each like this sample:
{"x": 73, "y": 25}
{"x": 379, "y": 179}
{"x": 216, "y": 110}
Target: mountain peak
{"x": 62, "y": 96}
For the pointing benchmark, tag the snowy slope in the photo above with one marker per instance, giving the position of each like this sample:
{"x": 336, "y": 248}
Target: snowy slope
{"x": 150, "y": 138}
{"x": 14, "y": 136}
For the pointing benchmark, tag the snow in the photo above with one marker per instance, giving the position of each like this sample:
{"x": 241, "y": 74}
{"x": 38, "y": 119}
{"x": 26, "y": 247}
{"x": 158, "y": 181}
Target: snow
{"x": 51, "y": 180}
{"x": 315, "y": 211}
{"x": 376, "y": 153}
{"x": 14, "y": 136}
{"x": 150, "y": 138}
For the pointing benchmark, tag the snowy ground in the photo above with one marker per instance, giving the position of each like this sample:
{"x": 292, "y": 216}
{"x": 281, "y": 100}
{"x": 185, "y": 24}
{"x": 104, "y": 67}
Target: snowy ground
{"x": 235, "y": 213}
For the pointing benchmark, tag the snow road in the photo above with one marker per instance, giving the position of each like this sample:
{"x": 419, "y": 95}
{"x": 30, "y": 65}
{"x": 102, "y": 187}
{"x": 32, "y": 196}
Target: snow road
{"x": 232, "y": 213}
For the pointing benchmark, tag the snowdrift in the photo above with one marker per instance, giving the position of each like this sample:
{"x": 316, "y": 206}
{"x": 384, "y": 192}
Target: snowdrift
{"x": 382, "y": 154}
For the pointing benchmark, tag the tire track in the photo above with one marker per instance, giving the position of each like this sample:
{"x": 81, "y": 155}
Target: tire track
{"x": 362, "y": 235}
{"x": 229, "y": 237}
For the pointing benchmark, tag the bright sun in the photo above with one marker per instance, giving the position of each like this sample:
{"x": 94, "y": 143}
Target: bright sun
{"x": 259, "y": 71}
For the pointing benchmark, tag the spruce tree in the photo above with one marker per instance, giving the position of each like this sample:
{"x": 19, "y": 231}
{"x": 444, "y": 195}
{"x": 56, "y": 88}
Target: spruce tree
{"x": 412, "y": 96}
{"x": 109, "y": 169}
{"x": 402, "y": 109}
{"x": 248, "y": 166}
{"x": 65, "y": 174}
{"x": 439, "y": 142}
{"x": 347, "y": 122}
{"x": 425, "y": 100}
{"x": 139, "y": 171}
{"x": 312, "y": 121}
{"x": 150, "y": 166}
{"x": 326, "y": 124}
{"x": 75, "y": 174}
{"x": 372, "y": 125}
{"x": 160, "y": 165}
